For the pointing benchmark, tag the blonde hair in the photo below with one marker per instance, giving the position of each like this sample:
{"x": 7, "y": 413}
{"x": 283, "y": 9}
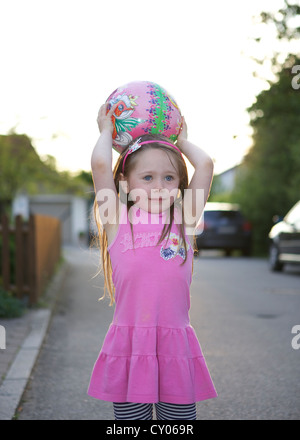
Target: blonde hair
{"x": 129, "y": 164}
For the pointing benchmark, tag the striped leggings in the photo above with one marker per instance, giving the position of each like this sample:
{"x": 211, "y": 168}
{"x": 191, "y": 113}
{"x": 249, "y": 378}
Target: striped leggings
{"x": 144, "y": 411}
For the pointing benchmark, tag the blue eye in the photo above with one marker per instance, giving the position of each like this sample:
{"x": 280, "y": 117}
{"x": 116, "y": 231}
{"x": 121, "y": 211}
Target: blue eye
{"x": 169, "y": 178}
{"x": 147, "y": 178}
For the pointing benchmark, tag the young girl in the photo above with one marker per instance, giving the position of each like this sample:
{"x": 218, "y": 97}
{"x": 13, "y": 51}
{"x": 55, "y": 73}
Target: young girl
{"x": 150, "y": 353}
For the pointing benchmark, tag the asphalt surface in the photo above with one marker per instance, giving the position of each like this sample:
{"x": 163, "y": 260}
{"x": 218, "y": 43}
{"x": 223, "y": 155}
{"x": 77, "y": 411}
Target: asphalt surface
{"x": 242, "y": 313}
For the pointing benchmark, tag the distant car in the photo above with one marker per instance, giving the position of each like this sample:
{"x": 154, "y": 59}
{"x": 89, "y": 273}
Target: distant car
{"x": 224, "y": 227}
{"x": 285, "y": 240}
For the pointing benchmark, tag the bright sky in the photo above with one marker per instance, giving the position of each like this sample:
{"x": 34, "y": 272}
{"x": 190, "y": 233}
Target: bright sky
{"x": 60, "y": 60}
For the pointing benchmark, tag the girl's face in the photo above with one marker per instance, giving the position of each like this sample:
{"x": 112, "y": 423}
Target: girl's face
{"x": 153, "y": 181}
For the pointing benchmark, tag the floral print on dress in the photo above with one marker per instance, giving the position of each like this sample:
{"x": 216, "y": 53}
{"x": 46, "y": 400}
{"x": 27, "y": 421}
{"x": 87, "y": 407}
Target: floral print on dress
{"x": 175, "y": 248}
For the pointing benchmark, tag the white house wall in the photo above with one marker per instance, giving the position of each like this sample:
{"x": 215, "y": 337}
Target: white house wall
{"x": 72, "y": 212}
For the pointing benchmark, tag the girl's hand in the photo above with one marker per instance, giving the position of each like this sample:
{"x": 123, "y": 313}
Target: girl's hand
{"x": 183, "y": 131}
{"x": 104, "y": 119}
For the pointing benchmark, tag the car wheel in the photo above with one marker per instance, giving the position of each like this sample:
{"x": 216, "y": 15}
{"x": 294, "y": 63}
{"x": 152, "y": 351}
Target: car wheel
{"x": 246, "y": 252}
{"x": 275, "y": 264}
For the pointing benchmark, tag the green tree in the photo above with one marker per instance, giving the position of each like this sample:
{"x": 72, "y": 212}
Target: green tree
{"x": 285, "y": 24}
{"x": 18, "y": 161}
{"x": 86, "y": 176}
{"x": 287, "y": 28}
{"x": 270, "y": 180}
{"x": 22, "y": 169}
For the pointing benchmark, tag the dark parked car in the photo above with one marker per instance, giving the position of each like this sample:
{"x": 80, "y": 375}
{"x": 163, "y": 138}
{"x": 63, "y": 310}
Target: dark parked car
{"x": 223, "y": 226}
{"x": 285, "y": 240}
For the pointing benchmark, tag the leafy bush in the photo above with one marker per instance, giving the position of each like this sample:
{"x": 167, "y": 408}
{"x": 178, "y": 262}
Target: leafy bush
{"x": 10, "y": 307}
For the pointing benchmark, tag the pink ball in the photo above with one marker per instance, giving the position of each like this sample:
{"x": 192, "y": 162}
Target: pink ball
{"x": 143, "y": 108}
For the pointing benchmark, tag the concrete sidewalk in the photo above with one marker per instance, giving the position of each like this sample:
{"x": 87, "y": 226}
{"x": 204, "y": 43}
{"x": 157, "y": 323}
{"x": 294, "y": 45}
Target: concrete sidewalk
{"x": 24, "y": 338}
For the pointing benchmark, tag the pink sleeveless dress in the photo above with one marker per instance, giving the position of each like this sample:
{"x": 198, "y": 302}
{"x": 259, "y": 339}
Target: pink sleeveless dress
{"x": 151, "y": 352}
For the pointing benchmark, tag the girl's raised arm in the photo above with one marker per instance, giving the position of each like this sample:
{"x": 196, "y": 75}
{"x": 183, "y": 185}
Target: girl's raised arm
{"x": 198, "y": 191}
{"x": 101, "y": 163}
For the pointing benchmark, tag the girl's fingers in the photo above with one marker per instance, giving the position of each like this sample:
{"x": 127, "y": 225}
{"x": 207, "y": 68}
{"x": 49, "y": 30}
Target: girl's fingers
{"x": 102, "y": 110}
{"x": 183, "y": 129}
{"x": 182, "y": 124}
{"x": 112, "y": 109}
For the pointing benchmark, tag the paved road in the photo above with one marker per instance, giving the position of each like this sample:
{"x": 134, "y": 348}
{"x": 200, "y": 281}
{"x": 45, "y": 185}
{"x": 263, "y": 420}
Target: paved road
{"x": 242, "y": 313}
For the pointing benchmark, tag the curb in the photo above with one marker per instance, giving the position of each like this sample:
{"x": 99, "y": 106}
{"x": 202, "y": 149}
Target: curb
{"x": 13, "y": 386}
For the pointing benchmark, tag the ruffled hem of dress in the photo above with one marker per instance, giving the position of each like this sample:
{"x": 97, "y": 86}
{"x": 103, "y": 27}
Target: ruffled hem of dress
{"x": 151, "y": 364}
{"x": 137, "y": 398}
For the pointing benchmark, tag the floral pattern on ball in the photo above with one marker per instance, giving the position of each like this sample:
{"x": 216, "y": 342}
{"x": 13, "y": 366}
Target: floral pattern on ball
{"x": 143, "y": 107}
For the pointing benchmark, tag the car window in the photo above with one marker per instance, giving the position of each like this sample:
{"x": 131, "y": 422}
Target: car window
{"x": 293, "y": 216}
{"x": 222, "y": 217}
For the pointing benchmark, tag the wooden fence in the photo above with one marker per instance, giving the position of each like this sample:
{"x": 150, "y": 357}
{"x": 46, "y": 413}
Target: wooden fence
{"x": 30, "y": 252}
